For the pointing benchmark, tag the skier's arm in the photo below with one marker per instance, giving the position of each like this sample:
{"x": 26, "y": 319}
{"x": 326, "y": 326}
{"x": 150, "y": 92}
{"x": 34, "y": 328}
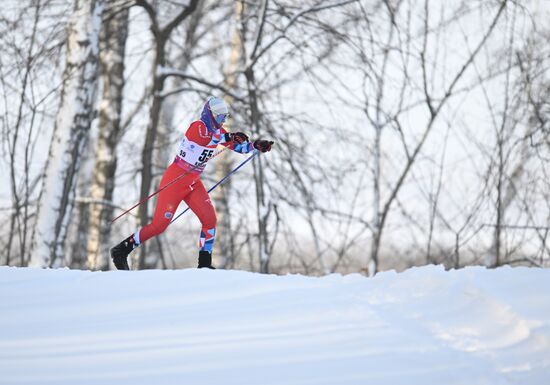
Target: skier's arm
{"x": 198, "y": 133}
{"x": 237, "y": 141}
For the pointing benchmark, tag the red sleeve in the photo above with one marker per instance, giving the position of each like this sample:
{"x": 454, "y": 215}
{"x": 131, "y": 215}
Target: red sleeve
{"x": 198, "y": 133}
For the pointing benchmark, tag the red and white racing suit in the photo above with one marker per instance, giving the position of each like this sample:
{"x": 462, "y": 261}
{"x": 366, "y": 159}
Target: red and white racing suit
{"x": 196, "y": 148}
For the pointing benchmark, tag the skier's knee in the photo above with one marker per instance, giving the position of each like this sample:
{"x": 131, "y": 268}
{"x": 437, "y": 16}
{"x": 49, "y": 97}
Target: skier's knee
{"x": 163, "y": 226}
{"x": 209, "y": 222}
{"x": 160, "y": 226}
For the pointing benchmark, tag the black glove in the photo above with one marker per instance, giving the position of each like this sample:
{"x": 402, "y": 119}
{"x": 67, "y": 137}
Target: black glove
{"x": 237, "y": 137}
{"x": 263, "y": 145}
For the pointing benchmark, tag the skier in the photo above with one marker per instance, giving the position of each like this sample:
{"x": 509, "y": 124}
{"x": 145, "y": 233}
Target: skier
{"x": 196, "y": 148}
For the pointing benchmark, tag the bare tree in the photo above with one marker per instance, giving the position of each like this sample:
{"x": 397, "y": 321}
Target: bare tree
{"x": 161, "y": 34}
{"x": 377, "y": 46}
{"x": 32, "y": 36}
{"x": 255, "y": 48}
{"x": 182, "y": 46}
{"x": 514, "y": 152}
{"x": 18, "y": 222}
{"x": 225, "y": 247}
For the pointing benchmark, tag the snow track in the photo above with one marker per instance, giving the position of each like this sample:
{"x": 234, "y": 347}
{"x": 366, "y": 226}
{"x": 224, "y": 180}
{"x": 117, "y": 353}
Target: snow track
{"x": 423, "y": 326}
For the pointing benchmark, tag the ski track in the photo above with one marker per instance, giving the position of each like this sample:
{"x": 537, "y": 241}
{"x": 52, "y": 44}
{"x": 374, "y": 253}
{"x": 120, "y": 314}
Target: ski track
{"x": 425, "y": 325}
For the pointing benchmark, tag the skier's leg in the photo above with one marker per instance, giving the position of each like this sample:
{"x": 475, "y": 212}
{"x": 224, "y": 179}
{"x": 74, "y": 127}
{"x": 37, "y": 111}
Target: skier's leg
{"x": 199, "y": 202}
{"x": 167, "y": 203}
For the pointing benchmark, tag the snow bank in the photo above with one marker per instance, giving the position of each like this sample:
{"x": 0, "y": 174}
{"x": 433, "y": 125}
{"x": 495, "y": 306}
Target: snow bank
{"x": 423, "y": 326}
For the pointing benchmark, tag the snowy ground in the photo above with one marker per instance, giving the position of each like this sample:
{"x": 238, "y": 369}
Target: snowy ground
{"x": 423, "y": 326}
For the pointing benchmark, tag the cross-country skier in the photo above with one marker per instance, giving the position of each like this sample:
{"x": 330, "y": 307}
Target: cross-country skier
{"x": 196, "y": 148}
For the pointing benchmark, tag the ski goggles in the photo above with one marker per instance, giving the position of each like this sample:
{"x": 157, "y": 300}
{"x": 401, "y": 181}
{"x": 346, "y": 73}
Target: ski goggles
{"x": 221, "y": 118}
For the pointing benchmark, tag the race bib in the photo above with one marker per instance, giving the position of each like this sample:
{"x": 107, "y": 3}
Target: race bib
{"x": 194, "y": 154}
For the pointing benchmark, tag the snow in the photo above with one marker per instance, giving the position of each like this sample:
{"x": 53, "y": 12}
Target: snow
{"x": 423, "y": 326}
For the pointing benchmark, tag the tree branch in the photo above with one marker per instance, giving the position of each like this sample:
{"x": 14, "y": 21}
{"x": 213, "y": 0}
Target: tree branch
{"x": 254, "y": 59}
{"x": 180, "y": 17}
{"x": 166, "y": 72}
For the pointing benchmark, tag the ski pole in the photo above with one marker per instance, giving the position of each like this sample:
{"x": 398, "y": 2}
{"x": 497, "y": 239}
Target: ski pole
{"x": 167, "y": 185}
{"x": 256, "y": 152}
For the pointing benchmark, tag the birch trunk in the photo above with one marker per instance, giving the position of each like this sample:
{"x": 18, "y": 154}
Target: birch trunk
{"x": 113, "y": 43}
{"x": 70, "y": 133}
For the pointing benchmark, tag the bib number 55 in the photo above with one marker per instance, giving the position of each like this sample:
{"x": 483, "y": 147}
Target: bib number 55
{"x": 206, "y": 154}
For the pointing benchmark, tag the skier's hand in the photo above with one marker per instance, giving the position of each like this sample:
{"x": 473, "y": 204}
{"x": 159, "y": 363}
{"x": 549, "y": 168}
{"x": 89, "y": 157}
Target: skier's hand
{"x": 238, "y": 137}
{"x": 263, "y": 145}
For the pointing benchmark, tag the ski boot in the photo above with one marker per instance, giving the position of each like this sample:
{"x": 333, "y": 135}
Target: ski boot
{"x": 205, "y": 260}
{"x": 119, "y": 253}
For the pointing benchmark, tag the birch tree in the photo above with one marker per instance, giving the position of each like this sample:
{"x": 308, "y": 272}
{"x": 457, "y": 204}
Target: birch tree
{"x": 113, "y": 43}
{"x": 70, "y": 134}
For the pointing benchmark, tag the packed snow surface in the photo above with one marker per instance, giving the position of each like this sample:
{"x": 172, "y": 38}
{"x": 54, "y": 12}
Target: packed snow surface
{"x": 422, "y": 326}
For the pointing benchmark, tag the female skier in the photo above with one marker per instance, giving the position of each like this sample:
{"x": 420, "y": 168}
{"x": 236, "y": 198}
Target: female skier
{"x": 196, "y": 148}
